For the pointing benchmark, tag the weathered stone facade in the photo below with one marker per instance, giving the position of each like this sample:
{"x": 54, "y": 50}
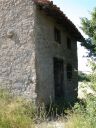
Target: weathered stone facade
{"x": 17, "y": 46}
{"x": 27, "y": 49}
{"x": 46, "y": 50}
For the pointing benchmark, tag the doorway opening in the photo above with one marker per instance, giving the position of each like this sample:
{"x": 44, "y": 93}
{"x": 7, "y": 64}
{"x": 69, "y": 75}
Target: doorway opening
{"x": 59, "y": 78}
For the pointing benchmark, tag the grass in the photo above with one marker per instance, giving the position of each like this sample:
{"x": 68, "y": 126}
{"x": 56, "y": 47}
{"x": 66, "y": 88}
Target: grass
{"x": 83, "y": 116}
{"x": 76, "y": 121}
{"x": 16, "y": 112}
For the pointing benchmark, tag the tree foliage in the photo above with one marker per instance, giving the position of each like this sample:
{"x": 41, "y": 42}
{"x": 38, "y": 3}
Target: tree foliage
{"x": 89, "y": 28}
{"x": 83, "y": 77}
{"x": 92, "y": 64}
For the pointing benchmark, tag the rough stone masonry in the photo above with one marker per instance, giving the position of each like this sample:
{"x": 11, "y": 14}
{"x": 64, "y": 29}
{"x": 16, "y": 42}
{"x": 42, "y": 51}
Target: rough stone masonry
{"x": 17, "y": 47}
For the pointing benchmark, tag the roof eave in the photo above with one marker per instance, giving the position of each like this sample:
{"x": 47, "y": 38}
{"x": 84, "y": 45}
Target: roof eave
{"x": 55, "y": 12}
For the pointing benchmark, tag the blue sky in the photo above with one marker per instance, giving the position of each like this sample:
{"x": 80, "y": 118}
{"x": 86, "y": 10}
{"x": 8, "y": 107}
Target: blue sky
{"x": 74, "y": 10}
{"x": 88, "y": 4}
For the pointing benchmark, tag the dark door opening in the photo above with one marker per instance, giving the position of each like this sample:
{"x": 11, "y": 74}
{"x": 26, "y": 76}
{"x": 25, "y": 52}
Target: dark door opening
{"x": 59, "y": 78}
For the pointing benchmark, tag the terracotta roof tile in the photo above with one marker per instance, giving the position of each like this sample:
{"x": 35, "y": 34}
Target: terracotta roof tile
{"x": 42, "y": 1}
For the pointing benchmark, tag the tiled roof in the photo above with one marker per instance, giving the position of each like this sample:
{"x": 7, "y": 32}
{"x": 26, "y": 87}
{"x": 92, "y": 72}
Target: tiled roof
{"x": 42, "y": 1}
{"x": 61, "y": 18}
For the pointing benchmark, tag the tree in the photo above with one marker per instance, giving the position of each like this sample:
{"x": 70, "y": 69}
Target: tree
{"x": 83, "y": 77}
{"x": 89, "y": 28}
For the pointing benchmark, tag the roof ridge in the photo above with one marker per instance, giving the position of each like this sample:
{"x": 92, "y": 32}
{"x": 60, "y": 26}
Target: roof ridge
{"x": 43, "y": 1}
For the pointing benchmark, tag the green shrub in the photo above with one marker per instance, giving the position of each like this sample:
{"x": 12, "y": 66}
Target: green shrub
{"x": 83, "y": 116}
{"x": 83, "y": 77}
{"x": 93, "y": 80}
{"x": 91, "y": 111}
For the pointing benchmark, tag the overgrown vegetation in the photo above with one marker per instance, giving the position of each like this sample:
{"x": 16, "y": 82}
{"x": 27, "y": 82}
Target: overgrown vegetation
{"x": 92, "y": 64}
{"x": 84, "y": 115}
{"x": 20, "y": 113}
{"x": 83, "y": 77}
{"x": 15, "y": 112}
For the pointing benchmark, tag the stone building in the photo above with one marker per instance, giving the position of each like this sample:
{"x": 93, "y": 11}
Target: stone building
{"x": 38, "y": 50}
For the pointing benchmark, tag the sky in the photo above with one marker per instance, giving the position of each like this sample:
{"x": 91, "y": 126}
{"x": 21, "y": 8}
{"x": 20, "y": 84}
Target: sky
{"x": 74, "y": 10}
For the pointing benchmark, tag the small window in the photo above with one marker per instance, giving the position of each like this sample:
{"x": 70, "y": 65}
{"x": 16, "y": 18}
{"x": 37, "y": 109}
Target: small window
{"x": 69, "y": 71}
{"x": 57, "y": 35}
{"x": 68, "y": 43}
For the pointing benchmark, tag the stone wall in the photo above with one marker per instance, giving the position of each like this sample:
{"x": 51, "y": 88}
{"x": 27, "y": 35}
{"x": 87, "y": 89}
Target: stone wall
{"x": 17, "y": 47}
{"x": 46, "y": 50}
{"x": 27, "y": 49}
